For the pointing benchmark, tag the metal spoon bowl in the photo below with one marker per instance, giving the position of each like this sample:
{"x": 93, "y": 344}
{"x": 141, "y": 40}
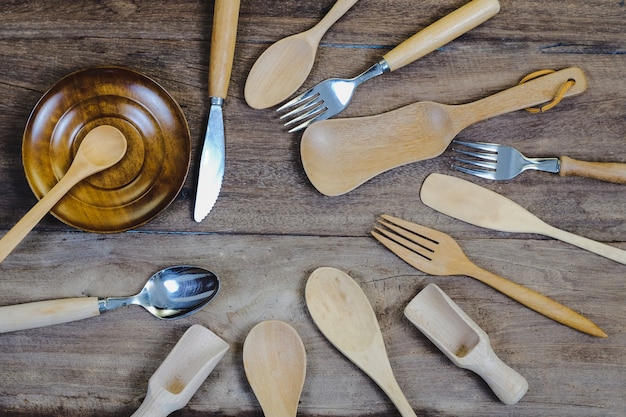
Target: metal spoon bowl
{"x": 171, "y": 293}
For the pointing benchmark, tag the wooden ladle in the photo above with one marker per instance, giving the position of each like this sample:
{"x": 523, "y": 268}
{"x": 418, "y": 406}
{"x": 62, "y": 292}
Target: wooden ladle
{"x": 463, "y": 341}
{"x": 285, "y": 65}
{"x": 338, "y": 155}
{"x": 342, "y": 312}
{"x": 274, "y": 361}
{"x": 102, "y": 147}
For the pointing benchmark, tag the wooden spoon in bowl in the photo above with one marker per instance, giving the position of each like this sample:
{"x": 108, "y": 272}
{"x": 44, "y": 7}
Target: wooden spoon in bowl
{"x": 274, "y": 361}
{"x": 284, "y": 66}
{"x": 102, "y": 147}
{"x": 338, "y": 155}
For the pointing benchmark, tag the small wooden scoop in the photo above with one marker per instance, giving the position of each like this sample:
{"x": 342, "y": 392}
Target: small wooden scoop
{"x": 338, "y": 155}
{"x": 183, "y": 371}
{"x": 342, "y": 312}
{"x": 463, "y": 341}
{"x": 102, "y": 147}
{"x": 274, "y": 360}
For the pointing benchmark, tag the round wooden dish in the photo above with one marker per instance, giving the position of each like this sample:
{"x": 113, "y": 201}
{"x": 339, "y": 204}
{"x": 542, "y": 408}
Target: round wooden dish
{"x": 143, "y": 183}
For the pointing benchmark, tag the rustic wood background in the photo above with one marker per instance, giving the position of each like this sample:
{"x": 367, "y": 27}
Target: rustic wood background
{"x": 270, "y": 228}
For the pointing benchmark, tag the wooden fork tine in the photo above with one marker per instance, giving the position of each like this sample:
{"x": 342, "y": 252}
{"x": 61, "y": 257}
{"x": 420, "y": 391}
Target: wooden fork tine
{"x": 422, "y": 231}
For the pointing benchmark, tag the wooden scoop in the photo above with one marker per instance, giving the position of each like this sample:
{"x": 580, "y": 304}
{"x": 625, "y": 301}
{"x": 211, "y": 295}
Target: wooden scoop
{"x": 284, "y": 66}
{"x": 479, "y": 206}
{"x": 182, "y": 372}
{"x": 463, "y": 341}
{"x": 342, "y": 312}
{"x": 340, "y": 154}
{"x": 274, "y": 360}
{"x": 102, "y": 147}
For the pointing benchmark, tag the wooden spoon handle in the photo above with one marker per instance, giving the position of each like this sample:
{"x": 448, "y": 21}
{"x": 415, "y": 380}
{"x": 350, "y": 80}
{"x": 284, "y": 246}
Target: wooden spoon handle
{"x": 339, "y": 9}
{"x": 47, "y": 313}
{"x": 535, "y": 301}
{"x": 441, "y": 32}
{"x": 605, "y": 171}
{"x": 223, "y": 37}
{"x": 532, "y": 93}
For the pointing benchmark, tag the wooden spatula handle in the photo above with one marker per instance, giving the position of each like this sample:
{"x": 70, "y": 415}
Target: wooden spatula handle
{"x": 605, "y": 171}
{"x": 47, "y": 313}
{"x": 536, "y": 301}
{"x": 223, "y": 37}
{"x": 441, "y": 32}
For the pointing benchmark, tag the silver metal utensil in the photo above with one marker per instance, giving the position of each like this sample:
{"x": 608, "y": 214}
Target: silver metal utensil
{"x": 501, "y": 162}
{"x": 171, "y": 293}
{"x": 213, "y": 159}
{"x": 331, "y": 96}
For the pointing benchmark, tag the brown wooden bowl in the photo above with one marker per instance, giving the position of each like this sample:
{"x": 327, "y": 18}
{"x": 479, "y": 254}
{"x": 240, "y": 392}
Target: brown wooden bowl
{"x": 143, "y": 183}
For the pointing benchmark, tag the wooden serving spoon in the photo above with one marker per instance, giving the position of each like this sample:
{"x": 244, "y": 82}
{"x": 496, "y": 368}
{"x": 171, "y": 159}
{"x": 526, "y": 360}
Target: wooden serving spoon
{"x": 340, "y": 154}
{"x": 102, "y": 147}
{"x": 274, "y": 360}
{"x": 284, "y": 66}
{"x": 482, "y": 207}
{"x": 342, "y": 312}
{"x": 463, "y": 342}
{"x": 182, "y": 372}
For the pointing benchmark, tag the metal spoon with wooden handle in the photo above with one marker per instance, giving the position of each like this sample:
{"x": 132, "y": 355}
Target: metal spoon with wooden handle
{"x": 338, "y": 155}
{"x": 342, "y": 312}
{"x": 445, "y": 324}
{"x": 182, "y": 372}
{"x": 102, "y": 147}
{"x": 485, "y": 208}
{"x": 274, "y": 361}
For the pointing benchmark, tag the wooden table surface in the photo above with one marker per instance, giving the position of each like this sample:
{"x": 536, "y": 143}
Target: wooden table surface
{"x": 270, "y": 228}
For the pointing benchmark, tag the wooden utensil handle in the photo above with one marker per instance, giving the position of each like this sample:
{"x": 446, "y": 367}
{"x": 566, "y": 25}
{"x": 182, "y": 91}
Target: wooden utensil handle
{"x": 605, "y": 171}
{"x": 599, "y": 248}
{"x": 532, "y": 93}
{"x": 536, "y": 301}
{"x": 441, "y": 32}
{"x": 47, "y": 313}
{"x": 508, "y": 385}
{"x": 223, "y": 37}
{"x": 339, "y": 9}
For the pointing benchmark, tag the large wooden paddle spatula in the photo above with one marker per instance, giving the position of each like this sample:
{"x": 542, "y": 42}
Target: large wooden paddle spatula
{"x": 485, "y": 208}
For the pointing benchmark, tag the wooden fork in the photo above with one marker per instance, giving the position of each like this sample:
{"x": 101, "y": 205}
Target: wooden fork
{"x": 436, "y": 253}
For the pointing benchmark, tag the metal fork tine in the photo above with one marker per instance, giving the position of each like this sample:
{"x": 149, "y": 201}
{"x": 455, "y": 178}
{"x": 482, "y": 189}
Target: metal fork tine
{"x": 479, "y": 155}
{"x": 483, "y": 146}
{"x": 296, "y": 101}
{"x": 306, "y": 105}
{"x": 312, "y": 116}
{"x": 482, "y": 164}
{"x": 490, "y": 175}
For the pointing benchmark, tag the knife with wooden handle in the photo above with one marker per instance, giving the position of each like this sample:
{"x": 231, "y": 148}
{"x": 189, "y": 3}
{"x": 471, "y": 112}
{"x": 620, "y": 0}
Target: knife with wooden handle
{"x": 213, "y": 159}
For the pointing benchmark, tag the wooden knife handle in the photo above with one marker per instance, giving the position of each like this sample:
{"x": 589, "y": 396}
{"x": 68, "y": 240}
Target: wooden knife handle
{"x": 47, "y": 313}
{"x": 536, "y": 301}
{"x": 441, "y": 32}
{"x": 605, "y": 171}
{"x": 223, "y": 37}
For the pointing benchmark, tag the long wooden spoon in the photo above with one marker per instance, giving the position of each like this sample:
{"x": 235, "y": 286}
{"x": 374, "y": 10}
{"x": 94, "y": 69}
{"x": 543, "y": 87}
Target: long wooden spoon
{"x": 342, "y": 312}
{"x": 284, "y": 66}
{"x": 182, "y": 372}
{"x": 340, "y": 154}
{"x": 479, "y": 206}
{"x": 102, "y": 147}
{"x": 464, "y": 342}
{"x": 274, "y": 360}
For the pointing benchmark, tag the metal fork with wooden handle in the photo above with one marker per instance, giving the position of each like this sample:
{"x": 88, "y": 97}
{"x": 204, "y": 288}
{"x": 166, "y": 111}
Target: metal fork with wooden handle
{"x": 436, "y": 253}
{"x": 331, "y": 96}
{"x": 479, "y": 206}
{"x": 338, "y": 155}
{"x": 501, "y": 162}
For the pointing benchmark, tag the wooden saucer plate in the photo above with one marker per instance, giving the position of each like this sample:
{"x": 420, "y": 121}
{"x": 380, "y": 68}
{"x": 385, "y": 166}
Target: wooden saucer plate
{"x": 143, "y": 183}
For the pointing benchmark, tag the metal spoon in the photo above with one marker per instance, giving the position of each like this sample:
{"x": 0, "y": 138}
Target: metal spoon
{"x": 171, "y": 293}
{"x": 102, "y": 147}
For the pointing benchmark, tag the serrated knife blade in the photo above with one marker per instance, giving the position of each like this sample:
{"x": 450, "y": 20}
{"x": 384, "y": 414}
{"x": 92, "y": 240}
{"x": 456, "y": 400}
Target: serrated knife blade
{"x": 213, "y": 158}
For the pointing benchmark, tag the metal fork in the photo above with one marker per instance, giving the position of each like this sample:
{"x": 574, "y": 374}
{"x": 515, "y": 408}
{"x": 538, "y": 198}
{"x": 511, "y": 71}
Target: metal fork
{"x": 436, "y": 253}
{"x": 331, "y": 96}
{"x": 499, "y": 162}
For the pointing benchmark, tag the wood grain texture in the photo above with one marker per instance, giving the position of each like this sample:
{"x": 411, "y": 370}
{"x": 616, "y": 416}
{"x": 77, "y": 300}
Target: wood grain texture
{"x": 270, "y": 228}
